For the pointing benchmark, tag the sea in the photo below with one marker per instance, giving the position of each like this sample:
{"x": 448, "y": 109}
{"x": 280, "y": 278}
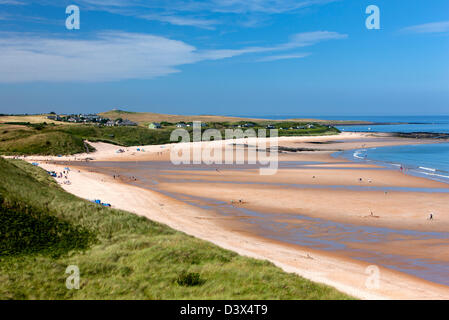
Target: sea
{"x": 428, "y": 160}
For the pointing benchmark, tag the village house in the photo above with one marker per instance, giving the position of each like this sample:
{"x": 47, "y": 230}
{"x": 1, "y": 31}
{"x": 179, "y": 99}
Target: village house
{"x": 127, "y": 122}
{"x": 154, "y": 125}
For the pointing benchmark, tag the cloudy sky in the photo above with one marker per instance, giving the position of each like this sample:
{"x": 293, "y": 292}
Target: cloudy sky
{"x": 233, "y": 57}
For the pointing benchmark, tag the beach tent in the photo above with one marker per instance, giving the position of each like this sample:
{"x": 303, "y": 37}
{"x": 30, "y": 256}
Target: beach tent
{"x": 52, "y": 173}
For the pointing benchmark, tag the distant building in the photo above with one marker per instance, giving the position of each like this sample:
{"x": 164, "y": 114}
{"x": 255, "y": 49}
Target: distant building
{"x": 110, "y": 123}
{"x": 154, "y": 125}
{"x": 270, "y": 126}
{"x": 84, "y": 118}
{"x": 181, "y": 125}
{"x": 127, "y": 122}
{"x": 55, "y": 118}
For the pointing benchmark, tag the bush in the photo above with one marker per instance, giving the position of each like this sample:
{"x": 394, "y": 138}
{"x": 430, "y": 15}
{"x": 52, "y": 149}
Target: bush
{"x": 189, "y": 279}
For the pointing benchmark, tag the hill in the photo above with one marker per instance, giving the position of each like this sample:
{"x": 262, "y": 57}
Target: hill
{"x": 144, "y": 118}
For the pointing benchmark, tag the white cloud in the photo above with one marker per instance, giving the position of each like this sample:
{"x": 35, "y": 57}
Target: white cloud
{"x": 12, "y": 2}
{"x": 183, "y": 21}
{"x": 310, "y": 38}
{"x": 434, "y": 27}
{"x": 109, "y": 57}
{"x": 283, "y": 57}
{"x": 298, "y": 40}
{"x": 187, "y": 12}
{"x": 115, "y": 56}
{"x": 224, "y": 6}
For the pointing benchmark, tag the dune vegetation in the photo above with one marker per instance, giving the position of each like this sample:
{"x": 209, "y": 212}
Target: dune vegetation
{"x": 43, "y": 230}
{"x": 31, "y": 138}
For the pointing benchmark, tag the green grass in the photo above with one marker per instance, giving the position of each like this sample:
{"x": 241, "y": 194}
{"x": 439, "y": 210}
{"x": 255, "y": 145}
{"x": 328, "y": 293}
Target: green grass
{"x": 120, "y": 255}
{"x": 19, "y": 139}
{"x": 124, "y": 136}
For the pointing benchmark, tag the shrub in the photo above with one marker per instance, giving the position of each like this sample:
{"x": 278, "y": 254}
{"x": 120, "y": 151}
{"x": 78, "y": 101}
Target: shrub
{"x": 189, "y": 279}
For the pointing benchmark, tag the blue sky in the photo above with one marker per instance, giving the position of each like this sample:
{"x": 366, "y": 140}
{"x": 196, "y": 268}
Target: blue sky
{"x": 233, "y": 57}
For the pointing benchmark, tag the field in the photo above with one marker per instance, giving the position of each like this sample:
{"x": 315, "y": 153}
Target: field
{"x": 26, "y": 118}
{"x": 144, "y": 118}
{"x": 119, "y": 255}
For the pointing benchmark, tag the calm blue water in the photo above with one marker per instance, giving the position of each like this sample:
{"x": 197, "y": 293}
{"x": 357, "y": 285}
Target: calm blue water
{"x": 436, "y": 124}
{"x": 431, "y": 161}
{"x": 427, "y": 160}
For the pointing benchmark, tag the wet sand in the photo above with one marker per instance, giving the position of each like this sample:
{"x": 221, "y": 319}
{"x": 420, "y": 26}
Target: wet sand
{"x": 314, "y": 217}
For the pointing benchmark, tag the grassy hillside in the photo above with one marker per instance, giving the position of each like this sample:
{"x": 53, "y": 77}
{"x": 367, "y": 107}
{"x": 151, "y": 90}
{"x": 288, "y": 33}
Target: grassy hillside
{"x": 120, "y": 255}
{"x": 22, "y": 138}
{"x": 124, "y": 136}
{"x": 18, "y": 139}
{"x": 144, "y": 118}
{"x": 26, "y": 118}
{"x": 51, "y": 139}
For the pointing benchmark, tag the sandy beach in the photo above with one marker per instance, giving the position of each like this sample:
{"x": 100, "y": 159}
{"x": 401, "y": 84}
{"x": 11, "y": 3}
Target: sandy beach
{"x": 259, "y": 216}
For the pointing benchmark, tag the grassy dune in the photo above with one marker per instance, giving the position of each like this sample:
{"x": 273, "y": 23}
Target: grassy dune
{"x": 120, "y": 255}
{"x": 64, "y": 139}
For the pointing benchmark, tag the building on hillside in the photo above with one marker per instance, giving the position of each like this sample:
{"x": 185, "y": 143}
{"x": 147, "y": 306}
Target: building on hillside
{"x": 181, "y": 125}
{"x": 127, "y": 122}
{"x": 74, "y": 119}
{"x": 55, "y": 118}
{"x": 154, "y": 125}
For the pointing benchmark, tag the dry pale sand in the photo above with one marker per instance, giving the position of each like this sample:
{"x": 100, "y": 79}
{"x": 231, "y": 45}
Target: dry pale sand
{"x": 343, "y": 141}
{"x": 395, "y": 209}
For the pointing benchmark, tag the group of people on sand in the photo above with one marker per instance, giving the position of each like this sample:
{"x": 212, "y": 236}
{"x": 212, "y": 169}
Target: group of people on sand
{"x": 64, "y": 175}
